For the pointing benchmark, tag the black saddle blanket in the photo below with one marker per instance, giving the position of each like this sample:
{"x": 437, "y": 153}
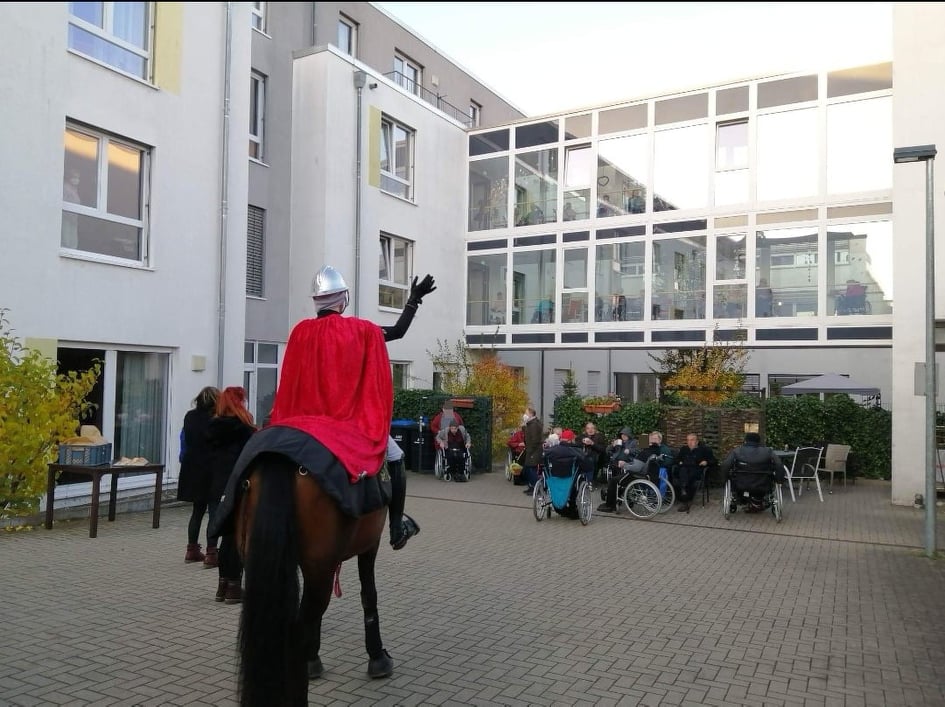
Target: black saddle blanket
{"x": 354, "y": 499}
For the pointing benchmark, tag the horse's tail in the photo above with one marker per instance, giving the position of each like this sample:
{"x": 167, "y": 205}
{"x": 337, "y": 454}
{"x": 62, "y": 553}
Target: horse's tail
{"x": 271, "y": 663}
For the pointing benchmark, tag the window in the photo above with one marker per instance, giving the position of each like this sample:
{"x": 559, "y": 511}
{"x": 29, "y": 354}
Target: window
{"x": 396, "y": 266}
{"x": 257, "y": 114}
{"x": 636, "y": 387}
{"x": 348, "y": 35}
{"x": 400, "y": 372}
{"x": 475, "y": 114}
{"x": 260, "y": 13}
{"x": 397, "y": 146}
{"x": 255, "y": 250}
{"x": 731, "y": 162}
{"x": 407, "y": 74}
{"x": 260, "y": 374}
{"x": 117, "y": 34}
{"x": 104, "y": 194}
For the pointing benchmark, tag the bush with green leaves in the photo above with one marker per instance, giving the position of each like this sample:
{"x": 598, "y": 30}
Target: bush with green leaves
{"x": 38, "y": 408}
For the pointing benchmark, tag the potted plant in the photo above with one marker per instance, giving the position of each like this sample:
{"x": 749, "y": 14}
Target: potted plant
{"x": 601, "y": 404}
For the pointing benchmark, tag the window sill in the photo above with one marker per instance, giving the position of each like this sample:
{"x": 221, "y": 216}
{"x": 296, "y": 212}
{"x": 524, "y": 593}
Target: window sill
{"x": 263, "y": 33}
{"x": 253, "y": 160}
{"x": 399, "y": 197}
{"x": 104, "y": 65}
{"x": 103, "y": 259}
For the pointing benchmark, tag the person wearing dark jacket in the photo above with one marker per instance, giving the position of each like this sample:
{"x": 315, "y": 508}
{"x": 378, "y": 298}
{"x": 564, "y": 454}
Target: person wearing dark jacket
{"x": 193, "y": 484}
{"x": 692, "y": 462}
{"x": 595, "y": 448}
{"x": 752, "y": 455}
{"x": 228, "y": 432}
{"x": 655, "y": 455}
{"x": 534, "y": 448}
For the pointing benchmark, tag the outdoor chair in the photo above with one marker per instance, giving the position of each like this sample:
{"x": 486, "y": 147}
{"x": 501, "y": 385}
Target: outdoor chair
{"x": 835, "y": 462}
{"x": 805, "y": 468}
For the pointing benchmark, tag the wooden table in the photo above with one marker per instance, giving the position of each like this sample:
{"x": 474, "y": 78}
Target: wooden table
{"x": 96, "y": 473}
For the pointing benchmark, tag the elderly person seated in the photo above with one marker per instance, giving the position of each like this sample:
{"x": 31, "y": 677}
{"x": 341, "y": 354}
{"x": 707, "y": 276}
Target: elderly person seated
{"x": 692, "y": 462}
{"x": 646, "y": 461}
{"x": 454, "y": 441}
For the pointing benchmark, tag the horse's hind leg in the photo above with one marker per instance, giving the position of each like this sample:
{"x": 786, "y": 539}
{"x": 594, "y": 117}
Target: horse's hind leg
{"x": 315, "y": 598}
{"x": 381, "y": 665}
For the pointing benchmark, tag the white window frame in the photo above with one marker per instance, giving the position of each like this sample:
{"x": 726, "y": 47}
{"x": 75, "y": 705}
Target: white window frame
{"x": 352, "y": 45}
{"x": 257, "y": 107}
{"x": 404, "y": 368}
{"x": 388, "y": 130}
{"x": 260, "y": 16}
{"x": 251, "y": 367}
{"x": 392, "y": 293}
{"x": 106, "y": 34}
{"x": 100, "y": 209}
{"x": 409, "y": 73}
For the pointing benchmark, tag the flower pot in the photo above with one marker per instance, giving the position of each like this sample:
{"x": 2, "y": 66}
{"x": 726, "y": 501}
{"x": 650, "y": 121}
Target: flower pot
{"x": 602, "y": 409}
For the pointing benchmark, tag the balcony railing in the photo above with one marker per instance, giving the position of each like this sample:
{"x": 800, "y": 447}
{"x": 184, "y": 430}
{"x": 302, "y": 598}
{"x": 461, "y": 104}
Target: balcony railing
{"x": 408, "y": 84}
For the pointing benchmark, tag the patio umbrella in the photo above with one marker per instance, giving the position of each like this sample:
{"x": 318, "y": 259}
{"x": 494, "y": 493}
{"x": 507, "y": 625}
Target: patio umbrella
{"x": 829, "y": 383}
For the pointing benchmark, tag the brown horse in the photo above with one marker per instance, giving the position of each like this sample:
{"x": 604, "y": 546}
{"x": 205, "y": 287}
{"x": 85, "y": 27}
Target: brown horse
{"x": 285, "y": 521}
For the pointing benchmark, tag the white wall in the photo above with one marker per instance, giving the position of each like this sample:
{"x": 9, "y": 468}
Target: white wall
{"x": 918, "y": 119}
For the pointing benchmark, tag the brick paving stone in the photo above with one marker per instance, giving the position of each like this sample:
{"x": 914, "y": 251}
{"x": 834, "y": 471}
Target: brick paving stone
{"x": 488, "y": 607}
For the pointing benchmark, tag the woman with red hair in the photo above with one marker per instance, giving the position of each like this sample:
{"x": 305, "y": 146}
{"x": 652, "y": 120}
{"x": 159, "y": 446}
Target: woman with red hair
{"x": 228, "y": 431}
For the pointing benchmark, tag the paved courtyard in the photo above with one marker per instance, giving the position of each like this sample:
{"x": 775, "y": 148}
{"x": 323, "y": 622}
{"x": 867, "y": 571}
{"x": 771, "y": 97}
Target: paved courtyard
{"x": 836, "y": 605}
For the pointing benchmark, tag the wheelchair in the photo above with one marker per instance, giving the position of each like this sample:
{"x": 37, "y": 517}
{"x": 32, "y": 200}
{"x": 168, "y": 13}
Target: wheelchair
{"x": 640, "y": 496}
{"x": 566, "y": 490}
{"x": 452, "y": 464}
{"x": 742, "y": 482}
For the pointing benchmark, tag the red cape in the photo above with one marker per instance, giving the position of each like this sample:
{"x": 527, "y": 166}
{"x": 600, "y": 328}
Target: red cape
{"x": 336, "y": 386}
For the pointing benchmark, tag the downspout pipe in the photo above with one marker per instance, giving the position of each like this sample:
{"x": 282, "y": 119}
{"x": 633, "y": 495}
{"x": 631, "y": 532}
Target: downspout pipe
{"x": 360, "y": 79}
{"x": 224, "y": 193}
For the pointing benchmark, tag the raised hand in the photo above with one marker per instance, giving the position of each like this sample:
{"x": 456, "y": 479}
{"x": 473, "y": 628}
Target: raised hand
{"x": 418, "y": 290}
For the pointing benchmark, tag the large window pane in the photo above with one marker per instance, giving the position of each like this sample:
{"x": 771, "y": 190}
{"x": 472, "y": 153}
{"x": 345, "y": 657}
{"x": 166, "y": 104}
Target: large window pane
{"x": 679, "y": 278}
{"x": 859, "y": 268}
{"x": 486, "y": 302}
{"x": 623, "y": 170}
{"x": 577, "y": 166}
{"x": 619, "y": 282}
{"x": 81, "y": 168}
{"x": 124, "y": 181}
{"x": 788, "y": 158}
{"x": 859, "y": 143}
{"x": 536, "y": 187}
{"x": 681, "y": 170}
{"x": 533, "y": 282}
{"x": 786, "y": 263}
{"x": 140, "y": 399}
{"x": 488, "y": 193}
{"x": 730, "y": 257}
{"x": 730, "y": 301}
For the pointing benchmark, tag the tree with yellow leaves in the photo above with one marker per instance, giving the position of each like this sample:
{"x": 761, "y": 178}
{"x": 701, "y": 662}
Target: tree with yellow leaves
{"x": 708, "y": 376}
{"x": 38, "y": 407}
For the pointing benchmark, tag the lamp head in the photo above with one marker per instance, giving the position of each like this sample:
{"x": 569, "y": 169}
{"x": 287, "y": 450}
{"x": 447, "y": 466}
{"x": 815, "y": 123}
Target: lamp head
{"x": 915, "y": 153}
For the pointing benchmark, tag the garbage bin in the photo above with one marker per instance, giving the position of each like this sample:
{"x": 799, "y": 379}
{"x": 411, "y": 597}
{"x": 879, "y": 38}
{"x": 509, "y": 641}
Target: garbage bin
{"x": 422, "y": 452}
{"x": 403, "y": 433}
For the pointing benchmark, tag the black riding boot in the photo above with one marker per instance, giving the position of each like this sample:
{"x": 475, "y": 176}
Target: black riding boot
{"x": 402, "y": 526}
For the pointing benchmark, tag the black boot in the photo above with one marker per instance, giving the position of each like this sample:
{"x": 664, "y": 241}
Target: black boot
{"x": 408, "y": 528}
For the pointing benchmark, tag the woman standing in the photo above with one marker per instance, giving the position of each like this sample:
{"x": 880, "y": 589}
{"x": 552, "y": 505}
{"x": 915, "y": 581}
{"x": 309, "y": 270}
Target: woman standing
{"x": 193, "y": 484}
{"x": 228, "y": 432}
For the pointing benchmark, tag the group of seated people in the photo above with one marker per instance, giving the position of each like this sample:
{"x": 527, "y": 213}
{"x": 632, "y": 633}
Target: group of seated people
{"x": 611, "y": 462}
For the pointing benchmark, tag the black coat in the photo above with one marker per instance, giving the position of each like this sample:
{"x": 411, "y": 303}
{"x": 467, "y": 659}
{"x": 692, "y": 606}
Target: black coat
{"x": 227, "y": 437}
{"x": 194, "y": 482}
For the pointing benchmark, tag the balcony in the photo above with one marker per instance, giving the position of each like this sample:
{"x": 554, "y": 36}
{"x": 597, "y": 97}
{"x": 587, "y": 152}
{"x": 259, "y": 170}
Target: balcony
{"x": 411, "y": 86}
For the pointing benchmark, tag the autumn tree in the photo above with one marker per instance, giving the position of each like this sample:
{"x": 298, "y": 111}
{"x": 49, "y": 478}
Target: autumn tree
{"x": 709, "y": 375}
{"x": 38, "y": 407}
{"x": 481, "y": 373}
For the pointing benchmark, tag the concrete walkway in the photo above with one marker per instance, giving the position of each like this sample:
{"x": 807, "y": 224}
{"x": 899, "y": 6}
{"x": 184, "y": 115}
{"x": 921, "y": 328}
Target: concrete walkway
{"x": 836, "y": 605}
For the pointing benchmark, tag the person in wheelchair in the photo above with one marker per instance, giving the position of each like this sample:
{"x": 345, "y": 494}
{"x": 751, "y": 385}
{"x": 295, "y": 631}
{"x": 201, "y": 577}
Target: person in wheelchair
{"x": 562, "y": 458}
{"x": 646, "y": 462}
{"x": 751, "y": 456}
{"x": 455, "y": 442}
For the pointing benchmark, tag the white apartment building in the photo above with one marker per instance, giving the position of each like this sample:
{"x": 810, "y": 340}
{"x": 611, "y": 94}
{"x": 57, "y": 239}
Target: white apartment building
{"x": 211, "y": 156}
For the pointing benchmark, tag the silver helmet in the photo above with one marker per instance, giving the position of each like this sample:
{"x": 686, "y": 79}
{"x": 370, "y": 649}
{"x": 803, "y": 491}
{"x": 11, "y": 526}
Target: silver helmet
{"x": 328, "y": 281}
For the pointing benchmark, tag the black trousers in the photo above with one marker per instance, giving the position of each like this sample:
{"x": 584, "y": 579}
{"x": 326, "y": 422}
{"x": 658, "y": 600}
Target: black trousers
{"x": 686, "y": 479}
{"x": 398, "y": 498}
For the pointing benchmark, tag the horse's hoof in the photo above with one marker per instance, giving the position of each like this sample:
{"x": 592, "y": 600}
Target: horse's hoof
{"x": 315, "y": 669}
{"x": 382, "y": 667}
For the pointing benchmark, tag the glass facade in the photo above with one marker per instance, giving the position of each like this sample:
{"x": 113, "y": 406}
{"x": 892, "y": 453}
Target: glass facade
{"x": 676, "y": 198}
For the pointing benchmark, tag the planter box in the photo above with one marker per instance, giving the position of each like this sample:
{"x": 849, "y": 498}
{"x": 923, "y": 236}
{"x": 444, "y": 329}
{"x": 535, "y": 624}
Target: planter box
{"x": 463, "y": 402}
{"x": 602, "y": 409}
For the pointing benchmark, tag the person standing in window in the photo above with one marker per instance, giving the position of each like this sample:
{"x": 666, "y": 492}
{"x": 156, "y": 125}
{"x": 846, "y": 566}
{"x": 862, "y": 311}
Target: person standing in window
{"x": 569, "y": 213}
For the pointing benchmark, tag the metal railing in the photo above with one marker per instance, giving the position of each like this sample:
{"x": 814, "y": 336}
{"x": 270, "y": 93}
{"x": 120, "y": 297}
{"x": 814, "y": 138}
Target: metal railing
{"x": 435, "y": 100}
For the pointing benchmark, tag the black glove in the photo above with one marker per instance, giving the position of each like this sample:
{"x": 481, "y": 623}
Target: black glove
{"x": 418, "y": 290}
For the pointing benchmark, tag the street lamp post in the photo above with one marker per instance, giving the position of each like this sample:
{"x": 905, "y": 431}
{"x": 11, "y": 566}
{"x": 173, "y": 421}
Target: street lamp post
{"x": 926, "y": 153}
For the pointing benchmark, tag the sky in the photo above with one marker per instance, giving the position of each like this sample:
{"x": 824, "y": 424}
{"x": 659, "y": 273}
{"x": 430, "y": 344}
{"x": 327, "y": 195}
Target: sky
{"x": 552, "y": 57}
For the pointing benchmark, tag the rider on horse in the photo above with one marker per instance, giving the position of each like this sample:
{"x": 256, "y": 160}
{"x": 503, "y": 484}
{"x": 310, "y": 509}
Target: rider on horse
{"x": 330, "y": 295}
